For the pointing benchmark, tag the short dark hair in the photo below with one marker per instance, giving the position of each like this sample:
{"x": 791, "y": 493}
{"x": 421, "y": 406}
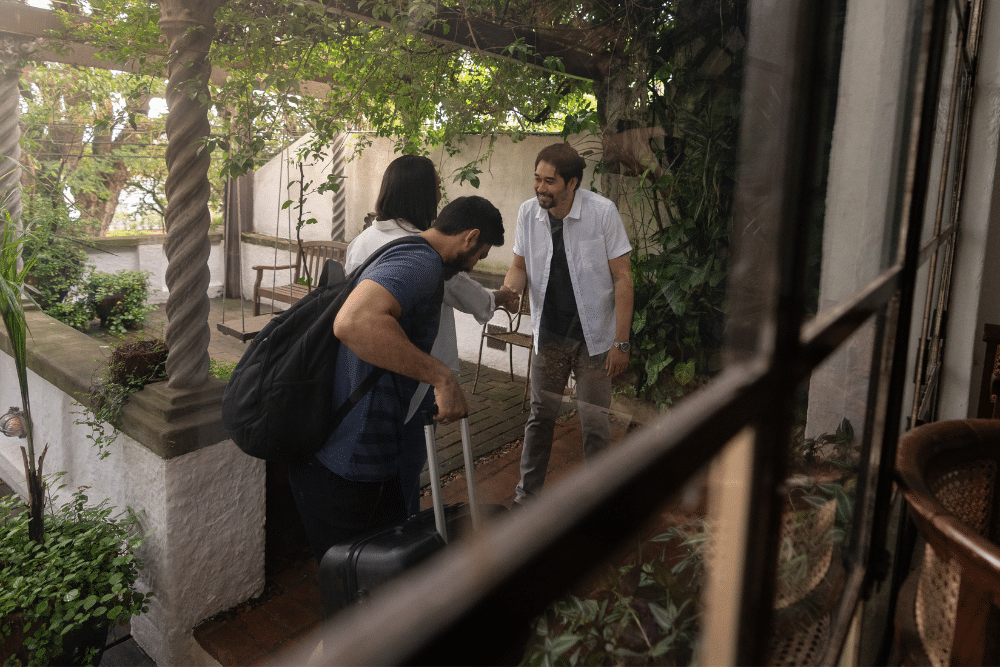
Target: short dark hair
{"x": 408, "y": 192}
{"x": 473, "y": 212}
{"x": 565, "y": 159}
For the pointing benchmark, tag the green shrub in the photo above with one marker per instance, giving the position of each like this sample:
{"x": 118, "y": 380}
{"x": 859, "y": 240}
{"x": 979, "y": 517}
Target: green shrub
{"x": 221, "y": 369}
{"x": 646, "y": 614}
{"x": 59, "y": 267}
{"x": 131, "y": 365}
{"x": 81, "y": 576}
{"x": 119, "y": 299}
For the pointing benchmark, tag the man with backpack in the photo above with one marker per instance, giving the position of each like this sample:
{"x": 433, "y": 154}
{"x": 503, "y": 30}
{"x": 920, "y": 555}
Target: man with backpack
{"x": 389, "y": 322}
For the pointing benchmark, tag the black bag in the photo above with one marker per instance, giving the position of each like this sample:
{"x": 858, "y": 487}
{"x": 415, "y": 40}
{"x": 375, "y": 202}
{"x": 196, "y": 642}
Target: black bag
{"x": 355, "y": 571}
{"x": 276, "y": 405}
{"x": 351, "y": 570}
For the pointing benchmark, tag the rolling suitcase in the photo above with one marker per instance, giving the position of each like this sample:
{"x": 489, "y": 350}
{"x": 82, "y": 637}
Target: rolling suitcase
{"x": 351, "y": 570}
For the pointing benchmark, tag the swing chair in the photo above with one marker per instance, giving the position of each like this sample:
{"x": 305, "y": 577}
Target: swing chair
{"x": 309, "y": 259}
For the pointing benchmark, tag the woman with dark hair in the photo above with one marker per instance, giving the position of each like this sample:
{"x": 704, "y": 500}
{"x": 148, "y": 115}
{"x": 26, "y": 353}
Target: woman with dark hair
{"x": 410, "y": 193}
{"x": 407, "y": 204}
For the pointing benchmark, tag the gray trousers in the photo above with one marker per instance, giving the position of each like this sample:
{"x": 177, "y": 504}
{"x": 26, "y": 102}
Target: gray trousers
{"x": 550, "y": 369}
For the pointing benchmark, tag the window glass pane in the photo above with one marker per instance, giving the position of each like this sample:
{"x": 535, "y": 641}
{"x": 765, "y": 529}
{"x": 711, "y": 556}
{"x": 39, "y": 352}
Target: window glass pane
{"x": 641, "y": 606}
{"x": 820, "y": 497}
{"x": 867, "y": 151}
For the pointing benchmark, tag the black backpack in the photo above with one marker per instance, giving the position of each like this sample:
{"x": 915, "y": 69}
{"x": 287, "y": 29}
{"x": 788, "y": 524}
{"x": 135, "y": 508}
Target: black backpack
{"x": 276, "y": 405}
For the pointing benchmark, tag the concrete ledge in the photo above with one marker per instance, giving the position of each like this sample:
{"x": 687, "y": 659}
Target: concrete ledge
{"x": 169, "y": 422}
{"x": 109, "y": 242}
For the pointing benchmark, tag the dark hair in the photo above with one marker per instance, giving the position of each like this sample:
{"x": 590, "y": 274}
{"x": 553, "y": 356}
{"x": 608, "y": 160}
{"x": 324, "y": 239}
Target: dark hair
{"x": 473, "y": 212}
{"x": 565, "y": 159}
{"x": 408, "y": 192}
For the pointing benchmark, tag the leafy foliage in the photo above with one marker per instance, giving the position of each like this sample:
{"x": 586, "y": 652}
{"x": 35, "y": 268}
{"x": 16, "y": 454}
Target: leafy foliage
{"x": 222, "y": 370}
{"x": 647, "y": 614}
{"x": 12, "y": 281}
{"x": 60, "y": 264}
{"x": 131, "y": 366}
{"x": 88, "y": 138}
{"x": 80, "y": 576}
{"x": 119, "y": 298}
{"x": 68, "y": 292}
{"x": 680, "y": 265}
{"x": 383, "y": 77}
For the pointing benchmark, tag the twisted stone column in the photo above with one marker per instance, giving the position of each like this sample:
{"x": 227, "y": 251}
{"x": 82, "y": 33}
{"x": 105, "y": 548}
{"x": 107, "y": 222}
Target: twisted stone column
{"x": 11, "y": 49}
{"x": 338, "y": 232}
{"x": 189, "y": 25}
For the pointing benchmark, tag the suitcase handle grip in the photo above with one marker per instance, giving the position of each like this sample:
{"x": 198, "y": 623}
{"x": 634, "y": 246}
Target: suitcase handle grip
{"x": 435, "y": 473}
{"x": 432, "y": 411}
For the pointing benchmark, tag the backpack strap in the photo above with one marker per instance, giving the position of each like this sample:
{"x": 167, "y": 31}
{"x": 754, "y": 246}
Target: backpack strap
{"x": 369, "y": 382}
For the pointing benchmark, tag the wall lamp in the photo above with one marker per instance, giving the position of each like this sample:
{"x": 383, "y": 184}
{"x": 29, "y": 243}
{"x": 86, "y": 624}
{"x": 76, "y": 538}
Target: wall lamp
{"x": 13, "y": 424}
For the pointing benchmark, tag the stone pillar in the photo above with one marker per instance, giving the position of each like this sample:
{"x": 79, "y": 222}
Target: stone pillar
{"x": 189, "y": 26}
{"x": 11, "y": 49}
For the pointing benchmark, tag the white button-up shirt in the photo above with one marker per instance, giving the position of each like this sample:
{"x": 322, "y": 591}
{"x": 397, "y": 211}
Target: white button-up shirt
{"x": 593, "y": 234}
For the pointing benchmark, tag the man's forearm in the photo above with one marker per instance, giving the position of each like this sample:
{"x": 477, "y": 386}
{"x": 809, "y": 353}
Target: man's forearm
{"x": 380, "y": 341}
{"x": 515, "y": 279}
{"x": 624, "y": 298}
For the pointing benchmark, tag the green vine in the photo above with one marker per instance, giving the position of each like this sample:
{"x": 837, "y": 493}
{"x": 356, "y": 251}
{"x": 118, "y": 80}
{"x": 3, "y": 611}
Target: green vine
{"x": 81, "y": 577}
{"x": 131, "y": 366}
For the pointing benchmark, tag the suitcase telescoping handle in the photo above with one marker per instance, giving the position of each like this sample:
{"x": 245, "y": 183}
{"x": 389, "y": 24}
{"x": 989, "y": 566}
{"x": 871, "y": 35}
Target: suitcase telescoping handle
{"x": 435, "y": 474}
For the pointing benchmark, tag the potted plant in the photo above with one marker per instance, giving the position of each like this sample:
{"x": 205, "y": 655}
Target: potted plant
{"x": 65, "y": 576}
{"x": 62, "y": 595}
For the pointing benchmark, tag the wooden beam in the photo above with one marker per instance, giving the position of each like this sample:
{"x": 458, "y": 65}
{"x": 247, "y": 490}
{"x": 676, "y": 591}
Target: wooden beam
{"x": 23, "y": 22}
{"x": 489, "y": 38}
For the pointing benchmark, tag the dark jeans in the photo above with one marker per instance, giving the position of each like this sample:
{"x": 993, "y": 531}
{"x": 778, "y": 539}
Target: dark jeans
{"x": 334, "y": 509}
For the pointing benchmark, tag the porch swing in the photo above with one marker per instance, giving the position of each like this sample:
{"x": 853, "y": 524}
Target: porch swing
{"x": 309, "y": 259}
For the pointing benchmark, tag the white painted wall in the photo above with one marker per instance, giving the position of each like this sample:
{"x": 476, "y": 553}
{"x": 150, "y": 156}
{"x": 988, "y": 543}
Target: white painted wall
{"x": 150, "y": 256}
{"x": 860, "y": 193}
{"x": 976, "y": 287}
{"x": 507, "y": 181}
{"x": 204, "y": 513}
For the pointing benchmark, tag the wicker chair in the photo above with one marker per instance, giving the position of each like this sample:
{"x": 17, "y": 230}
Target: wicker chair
{"x": 947, "y": 613}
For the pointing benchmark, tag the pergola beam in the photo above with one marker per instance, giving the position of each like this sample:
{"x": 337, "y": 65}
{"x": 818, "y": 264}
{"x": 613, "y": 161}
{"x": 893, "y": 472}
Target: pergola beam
{"x": 471, "y": 33}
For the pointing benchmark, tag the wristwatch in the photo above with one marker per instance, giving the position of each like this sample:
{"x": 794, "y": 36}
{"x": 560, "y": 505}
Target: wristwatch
{"x": 624, "y": 347}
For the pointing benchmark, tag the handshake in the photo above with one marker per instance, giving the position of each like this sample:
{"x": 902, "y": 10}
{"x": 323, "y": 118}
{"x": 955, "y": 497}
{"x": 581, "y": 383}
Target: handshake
{"x": 506, "y": 298}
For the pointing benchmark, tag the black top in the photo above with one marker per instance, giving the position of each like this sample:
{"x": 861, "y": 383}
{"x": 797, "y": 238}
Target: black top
{"x": 560, "y": 316}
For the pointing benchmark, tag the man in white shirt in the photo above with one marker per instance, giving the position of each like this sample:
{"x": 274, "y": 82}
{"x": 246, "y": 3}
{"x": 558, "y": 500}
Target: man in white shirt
{"x": 571, "y": 248}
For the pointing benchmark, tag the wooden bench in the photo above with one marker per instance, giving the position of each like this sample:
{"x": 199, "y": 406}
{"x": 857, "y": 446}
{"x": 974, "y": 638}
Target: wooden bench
{"x": 311, "y": 255}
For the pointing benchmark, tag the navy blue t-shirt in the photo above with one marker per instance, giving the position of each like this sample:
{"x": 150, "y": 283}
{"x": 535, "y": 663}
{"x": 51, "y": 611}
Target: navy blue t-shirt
{"x": 365, "y": 447}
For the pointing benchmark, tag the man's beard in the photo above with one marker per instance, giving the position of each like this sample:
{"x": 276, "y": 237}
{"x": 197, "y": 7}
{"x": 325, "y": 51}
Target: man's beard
{"x": 548, "y": 202}
{"x": 463, "y": 262}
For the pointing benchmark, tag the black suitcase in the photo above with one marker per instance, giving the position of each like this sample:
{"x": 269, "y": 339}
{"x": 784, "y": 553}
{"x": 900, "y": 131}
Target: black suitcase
{"x": 351, "y": 570}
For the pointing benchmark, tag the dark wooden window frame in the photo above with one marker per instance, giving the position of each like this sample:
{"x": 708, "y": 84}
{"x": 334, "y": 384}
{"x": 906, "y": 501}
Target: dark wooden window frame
{"x": 509, "y": 574}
